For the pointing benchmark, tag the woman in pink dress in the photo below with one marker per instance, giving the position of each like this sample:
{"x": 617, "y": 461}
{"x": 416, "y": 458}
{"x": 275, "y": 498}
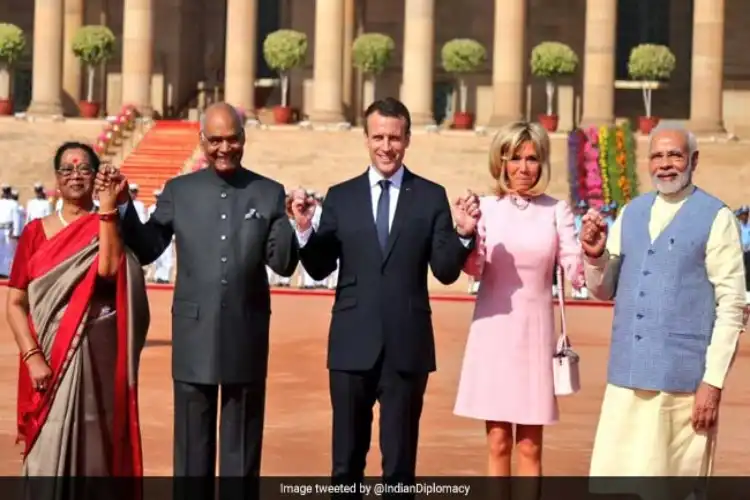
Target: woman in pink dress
{"x": 507, "y": 378}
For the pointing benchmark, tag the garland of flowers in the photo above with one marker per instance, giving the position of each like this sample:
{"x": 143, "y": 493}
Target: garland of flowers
{"x": 631, "y": 164}
{"x": 602, "y": 166}
{"x": 575, "y": 154}
{"x": 620, "y": 173}
{"x": 593, "y": 179}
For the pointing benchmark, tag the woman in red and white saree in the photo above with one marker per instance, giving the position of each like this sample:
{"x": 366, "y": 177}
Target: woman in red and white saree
{"x": 78, "y": 309}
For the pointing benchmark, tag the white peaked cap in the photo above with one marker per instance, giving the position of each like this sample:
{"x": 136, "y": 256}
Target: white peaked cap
{"x": 134, "y": 187}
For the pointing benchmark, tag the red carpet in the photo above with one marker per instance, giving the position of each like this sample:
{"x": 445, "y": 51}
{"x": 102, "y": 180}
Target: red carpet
{"x": 160, "y": 155}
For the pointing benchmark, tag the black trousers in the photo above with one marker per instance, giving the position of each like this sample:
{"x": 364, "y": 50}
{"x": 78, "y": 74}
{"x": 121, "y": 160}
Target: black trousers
{"x": 353, "y": 396}
{"x": 240, "y": 437}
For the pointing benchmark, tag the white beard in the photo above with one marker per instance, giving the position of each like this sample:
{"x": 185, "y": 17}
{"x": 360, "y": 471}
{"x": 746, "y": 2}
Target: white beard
{"x": 679, "y": 183}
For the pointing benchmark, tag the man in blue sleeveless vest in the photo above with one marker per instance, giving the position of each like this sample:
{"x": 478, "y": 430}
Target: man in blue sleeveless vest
{"x": 673, "y": 263}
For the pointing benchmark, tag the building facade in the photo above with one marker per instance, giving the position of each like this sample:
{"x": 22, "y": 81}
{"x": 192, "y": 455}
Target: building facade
{"x": 174, "y": 55}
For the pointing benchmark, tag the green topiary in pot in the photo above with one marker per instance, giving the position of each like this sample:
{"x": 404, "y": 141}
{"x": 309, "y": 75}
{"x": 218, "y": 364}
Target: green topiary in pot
{"x": 650, "y": 63}
{"x": 12, "y": 47}
{"x": 93, "y": 45}
{"x": 550, "y": 61}
{"x": 371, "y": 53}
{"x": 284, "y": 50}
{"x": 459, "y": 57}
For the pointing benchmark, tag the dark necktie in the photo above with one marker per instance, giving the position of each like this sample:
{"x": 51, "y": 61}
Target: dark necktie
{"x": 381, "y": 220}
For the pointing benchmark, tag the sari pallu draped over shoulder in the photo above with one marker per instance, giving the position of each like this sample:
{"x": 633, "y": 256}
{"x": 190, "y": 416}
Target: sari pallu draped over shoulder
{"x": 63, "y": 276}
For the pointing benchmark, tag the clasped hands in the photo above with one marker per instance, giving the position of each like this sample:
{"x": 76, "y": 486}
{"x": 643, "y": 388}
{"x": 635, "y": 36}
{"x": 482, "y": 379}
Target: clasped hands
{"x": 593, "y": 235}
{"x": 466, "y": 214}
{"x": 110, "y": 187}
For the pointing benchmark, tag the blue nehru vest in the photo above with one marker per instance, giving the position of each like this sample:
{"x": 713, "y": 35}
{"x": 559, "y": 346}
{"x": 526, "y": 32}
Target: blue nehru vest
{"x": 664, "y": 303}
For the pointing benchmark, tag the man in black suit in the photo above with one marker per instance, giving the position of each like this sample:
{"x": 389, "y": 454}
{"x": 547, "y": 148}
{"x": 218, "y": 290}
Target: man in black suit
{"x": 229, "y": 223}
{"x": 386, "y": 226}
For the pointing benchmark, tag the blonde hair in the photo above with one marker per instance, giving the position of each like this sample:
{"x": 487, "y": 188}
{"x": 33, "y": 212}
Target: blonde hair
{"x": 506, "y": 143}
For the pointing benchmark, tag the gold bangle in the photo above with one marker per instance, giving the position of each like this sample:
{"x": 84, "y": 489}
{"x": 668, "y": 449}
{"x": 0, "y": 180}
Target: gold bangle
{"x": 30, "y": 353}
{"x": 109, "y": 212}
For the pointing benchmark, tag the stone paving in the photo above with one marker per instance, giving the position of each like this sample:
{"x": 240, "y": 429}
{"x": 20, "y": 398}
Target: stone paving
{"x": 297, "y": 439}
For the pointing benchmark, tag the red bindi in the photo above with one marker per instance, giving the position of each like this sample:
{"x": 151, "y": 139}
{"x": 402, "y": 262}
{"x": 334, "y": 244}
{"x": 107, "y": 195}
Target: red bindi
{"x": 75, "y": 161}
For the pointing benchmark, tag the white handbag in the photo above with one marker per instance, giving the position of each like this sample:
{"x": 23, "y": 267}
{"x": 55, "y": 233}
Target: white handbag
{"x": 565, "y": 369}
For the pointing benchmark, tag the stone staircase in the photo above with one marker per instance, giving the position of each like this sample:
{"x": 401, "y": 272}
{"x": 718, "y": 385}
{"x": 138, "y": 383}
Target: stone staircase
{"x": 160, "y": 155}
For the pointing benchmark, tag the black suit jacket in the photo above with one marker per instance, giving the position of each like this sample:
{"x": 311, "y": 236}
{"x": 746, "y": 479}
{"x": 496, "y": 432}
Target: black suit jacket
{"x": 382, "y": 300}
{"x": 226, "y": 231}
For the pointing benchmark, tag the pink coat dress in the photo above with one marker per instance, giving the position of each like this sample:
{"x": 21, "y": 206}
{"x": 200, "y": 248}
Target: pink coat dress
{"x": 507, "y": 367}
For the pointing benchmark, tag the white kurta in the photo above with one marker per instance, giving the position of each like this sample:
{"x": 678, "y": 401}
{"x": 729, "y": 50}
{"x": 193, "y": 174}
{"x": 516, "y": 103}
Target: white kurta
{"x": 650, "y": 433}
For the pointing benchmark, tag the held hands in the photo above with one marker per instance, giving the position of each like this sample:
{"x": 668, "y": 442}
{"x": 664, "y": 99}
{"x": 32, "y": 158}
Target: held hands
{"x": 111, "y": 188}
{"x": 466, "y": 214}
{"x": 593, "y": 234}
{"x": 303, "y": 208}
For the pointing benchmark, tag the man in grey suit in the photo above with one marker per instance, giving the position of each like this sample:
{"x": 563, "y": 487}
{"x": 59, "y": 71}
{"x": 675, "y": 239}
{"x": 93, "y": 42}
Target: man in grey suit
{"x": 229, "y": 223}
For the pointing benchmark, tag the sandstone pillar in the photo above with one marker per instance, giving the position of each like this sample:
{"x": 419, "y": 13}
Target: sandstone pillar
{"x": 348, "y": 80}
{"x": 72, "y": 70}
{"x": 137, "y": 54}
{"x": 241, "y": 54}
{"x": 46, "y": 85}
{"x": 707, "y": 83}
{"x": 328, "y": 64}
{"x": 419, "y": 53}
{"x": 599, "y": 62}
{"x": 508, "y": 61}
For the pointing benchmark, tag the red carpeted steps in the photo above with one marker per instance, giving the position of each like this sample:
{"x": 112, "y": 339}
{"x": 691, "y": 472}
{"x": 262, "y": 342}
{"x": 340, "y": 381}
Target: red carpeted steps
{"x": 160, "y": 155}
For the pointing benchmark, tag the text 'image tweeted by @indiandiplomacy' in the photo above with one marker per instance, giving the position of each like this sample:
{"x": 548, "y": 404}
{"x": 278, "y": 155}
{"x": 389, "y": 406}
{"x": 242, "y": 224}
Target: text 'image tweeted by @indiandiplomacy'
{"x": 310, "y": 488}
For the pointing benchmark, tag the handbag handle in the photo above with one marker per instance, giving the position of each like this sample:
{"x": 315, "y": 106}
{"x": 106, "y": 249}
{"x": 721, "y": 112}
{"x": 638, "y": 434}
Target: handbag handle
{"x": 561, "y": 301}
{"x": 560, "y": 295}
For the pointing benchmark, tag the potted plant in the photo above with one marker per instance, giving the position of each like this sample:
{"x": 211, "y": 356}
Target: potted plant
{"x": 459, "y": 57}
{"x": 284, "y": 50}
{"x": 12, "y": 46}
{"x": 371, "y": 53}
{"x": 552, "y": 60}
{"x": 93, "y": 46}
{"x": 651, "y": 64}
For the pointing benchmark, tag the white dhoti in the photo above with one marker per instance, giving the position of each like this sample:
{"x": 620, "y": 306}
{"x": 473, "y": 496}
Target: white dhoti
{"x": 647, "y": 434}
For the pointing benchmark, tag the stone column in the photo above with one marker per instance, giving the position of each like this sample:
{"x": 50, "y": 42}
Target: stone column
{"x": 241, "y": 53}
{"x": 72, "y": 69}
{"x": 46, "y": 85}
{"x": 348, "y": 80}
{"x": 419, "y": 53}
{"x": 599, "y": 62}
{"x": 137, "y": 54}
{"x": 328, "y": 65}
{"x": 508, "y": 61}
{"x": 707, "y": 83}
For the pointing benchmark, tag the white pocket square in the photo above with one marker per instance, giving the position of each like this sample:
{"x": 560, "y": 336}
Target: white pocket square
{"x": 252, "y": 214}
